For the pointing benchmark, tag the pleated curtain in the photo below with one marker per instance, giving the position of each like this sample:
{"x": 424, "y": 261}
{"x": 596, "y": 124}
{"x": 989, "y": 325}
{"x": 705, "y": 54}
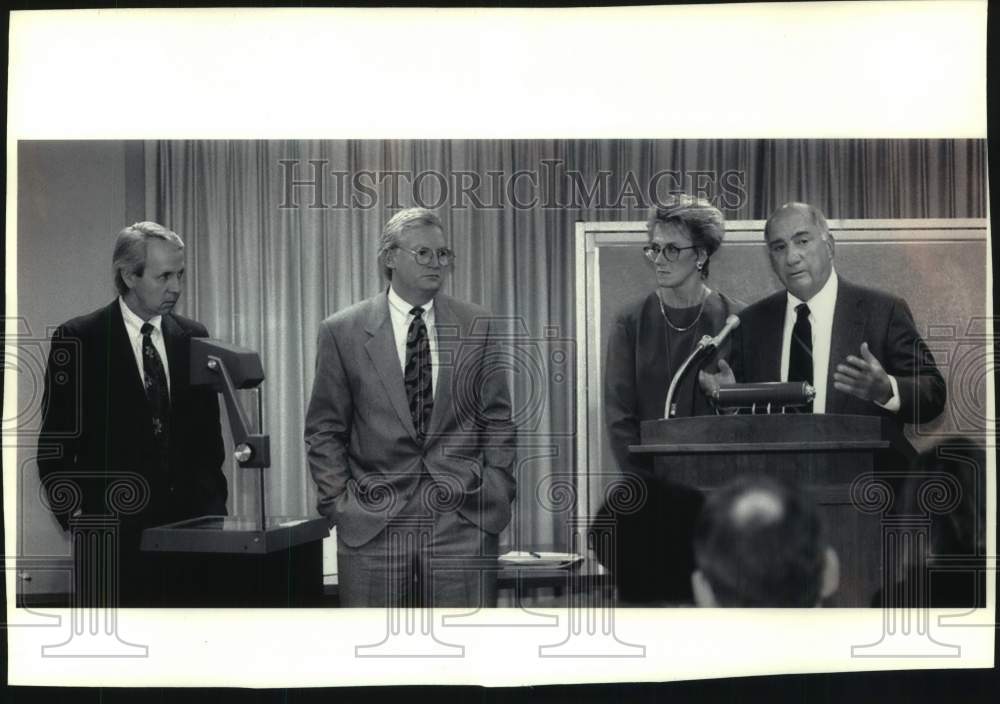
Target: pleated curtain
{"x": 268, "y": 259}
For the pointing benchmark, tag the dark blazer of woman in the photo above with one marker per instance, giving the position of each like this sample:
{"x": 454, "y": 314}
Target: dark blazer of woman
{"x": 641, "y": 363}
{"x": 653, "y": 558}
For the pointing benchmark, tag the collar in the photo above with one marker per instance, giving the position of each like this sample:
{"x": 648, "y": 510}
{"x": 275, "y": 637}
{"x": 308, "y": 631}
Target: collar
{"x": 824, "y": 299}
{"x": 403, "y": 306}
{"x": 133, "y": 323}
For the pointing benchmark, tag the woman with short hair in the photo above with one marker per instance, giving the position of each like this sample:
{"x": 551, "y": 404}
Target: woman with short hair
{"x": 648, "y": 342}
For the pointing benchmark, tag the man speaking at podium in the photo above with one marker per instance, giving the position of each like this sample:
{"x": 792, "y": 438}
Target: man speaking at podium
{"x": 858, "y": 347}
{"x": 409, "y": 433}
{"x": 119, "y": 404}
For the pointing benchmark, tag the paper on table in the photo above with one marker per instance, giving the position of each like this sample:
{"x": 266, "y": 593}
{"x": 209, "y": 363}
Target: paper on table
{"x": 292, "y": 522}
{"x": 529, "y": 558}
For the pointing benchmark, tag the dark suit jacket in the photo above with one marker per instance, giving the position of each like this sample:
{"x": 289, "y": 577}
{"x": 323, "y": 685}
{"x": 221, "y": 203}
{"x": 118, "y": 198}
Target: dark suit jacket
{"x": 97, "y": 423}
{"x": 362, "y": 446}
{"x": 652, "y": 558}
{"x": 638, "y": 372}
{"x": 861, "y": 315}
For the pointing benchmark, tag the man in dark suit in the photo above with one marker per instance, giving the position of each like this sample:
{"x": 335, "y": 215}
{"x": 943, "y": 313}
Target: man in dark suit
{"x": 857, "y": 346}
{"x": 409, "y": 433}
{"x": 124, "y": 435}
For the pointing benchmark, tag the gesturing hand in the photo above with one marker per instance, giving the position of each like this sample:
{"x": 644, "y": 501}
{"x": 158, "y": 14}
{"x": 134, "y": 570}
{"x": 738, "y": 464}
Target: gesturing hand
{"x": 710, "y": 382}
{"x": 863, "y": 377}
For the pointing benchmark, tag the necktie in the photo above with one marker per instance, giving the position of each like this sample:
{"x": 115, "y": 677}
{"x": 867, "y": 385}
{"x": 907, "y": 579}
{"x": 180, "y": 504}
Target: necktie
{"x": 157, "y": 393}
{"x": 800, "y": 357}
{"x": 417, "y": 373}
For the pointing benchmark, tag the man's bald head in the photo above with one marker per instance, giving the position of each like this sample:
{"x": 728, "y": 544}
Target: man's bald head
{"x": 760, "y": 542}
{"x": 805, "y": 210}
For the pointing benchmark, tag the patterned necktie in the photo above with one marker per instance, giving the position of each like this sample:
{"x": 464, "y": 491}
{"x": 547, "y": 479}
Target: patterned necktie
{"x": 417, "y": 373}
{"x": 155, "y": 380}
{"x": 800, "y": 357}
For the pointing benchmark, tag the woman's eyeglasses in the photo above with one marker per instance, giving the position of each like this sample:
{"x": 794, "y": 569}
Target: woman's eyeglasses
{"x": 670, "y": 252}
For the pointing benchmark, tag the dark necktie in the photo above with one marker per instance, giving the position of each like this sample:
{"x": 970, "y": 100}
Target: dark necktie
{"x": 417, "y": 373}
{"x": 800, "y": 357}
{"x": 155, "y": 380}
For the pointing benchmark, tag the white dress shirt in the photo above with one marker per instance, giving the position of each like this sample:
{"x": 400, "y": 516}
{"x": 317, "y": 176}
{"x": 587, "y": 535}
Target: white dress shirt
{"x": 821, "y": 309}
{"x": 399, "y": 312}
{"x": 133, "y": 326}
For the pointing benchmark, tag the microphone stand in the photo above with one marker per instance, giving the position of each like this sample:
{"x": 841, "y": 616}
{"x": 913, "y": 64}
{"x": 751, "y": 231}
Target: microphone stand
{"x": 704, "y": 345}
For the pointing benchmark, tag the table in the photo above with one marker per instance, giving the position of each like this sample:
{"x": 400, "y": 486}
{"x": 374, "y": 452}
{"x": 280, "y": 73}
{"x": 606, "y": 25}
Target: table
{"x": 535, "y": 586}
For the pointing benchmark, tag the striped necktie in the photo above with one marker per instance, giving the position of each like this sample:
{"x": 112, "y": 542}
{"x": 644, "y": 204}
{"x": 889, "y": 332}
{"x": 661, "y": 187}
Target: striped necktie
{"x": 417, "y": 373}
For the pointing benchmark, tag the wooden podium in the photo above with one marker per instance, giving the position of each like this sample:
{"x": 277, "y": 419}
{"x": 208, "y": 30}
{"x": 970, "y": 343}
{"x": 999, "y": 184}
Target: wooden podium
{"x": 826, "y": 454}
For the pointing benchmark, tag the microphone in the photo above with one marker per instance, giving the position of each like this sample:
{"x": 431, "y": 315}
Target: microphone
{"x": 706, "y": 344}
{"x": 711, "y": 343}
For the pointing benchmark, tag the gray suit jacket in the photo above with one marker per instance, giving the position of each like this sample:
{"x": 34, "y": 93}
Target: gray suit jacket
{"x": 362, "y": 447}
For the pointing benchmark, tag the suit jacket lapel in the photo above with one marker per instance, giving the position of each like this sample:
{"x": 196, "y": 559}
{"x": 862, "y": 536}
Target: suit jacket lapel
{"x": 178, "y": 362}
{"x": 651, "y": 348}
{"x": 770, "y": 345}
{"x": 381, "y": 348}
{"x": 448, "y": 334}
{"x": 129, "y": 413}
{"x": 123, "y": 368}
{"x": 846, "y": 338}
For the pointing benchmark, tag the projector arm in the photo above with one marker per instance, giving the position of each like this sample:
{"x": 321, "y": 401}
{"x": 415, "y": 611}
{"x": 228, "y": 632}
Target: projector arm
{"x": 252, "y": 449}
{"x": 225, "y": 368}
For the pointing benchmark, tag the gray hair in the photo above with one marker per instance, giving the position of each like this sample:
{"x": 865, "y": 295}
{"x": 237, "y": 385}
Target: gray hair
{"x": 700, "y": 219}
{"x": 815, "y": 217}
{"x": 403, "y": 220}
{"x": 130, "y": 250}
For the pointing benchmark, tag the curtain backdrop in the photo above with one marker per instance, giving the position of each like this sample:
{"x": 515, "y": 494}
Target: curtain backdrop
{"x": 281, "y": 234}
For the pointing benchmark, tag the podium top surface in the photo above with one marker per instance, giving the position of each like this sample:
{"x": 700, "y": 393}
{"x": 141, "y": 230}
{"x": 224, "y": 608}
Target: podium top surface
{"x": 800, "y": 432}
{"x": 235, "y": 523}
{"x": 234, "y": 534}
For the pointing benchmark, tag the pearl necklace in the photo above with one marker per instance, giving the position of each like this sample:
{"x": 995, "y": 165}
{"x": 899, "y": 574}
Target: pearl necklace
{"x": 701, "y": 309}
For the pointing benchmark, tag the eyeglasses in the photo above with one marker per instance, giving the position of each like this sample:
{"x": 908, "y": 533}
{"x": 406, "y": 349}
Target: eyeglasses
{"x": 425, "y": 255}
{"x": 670, "y": 252}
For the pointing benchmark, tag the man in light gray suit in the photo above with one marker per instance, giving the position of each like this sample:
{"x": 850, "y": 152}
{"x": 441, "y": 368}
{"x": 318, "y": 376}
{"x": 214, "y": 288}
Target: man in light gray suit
{"x": 409, "y": 433}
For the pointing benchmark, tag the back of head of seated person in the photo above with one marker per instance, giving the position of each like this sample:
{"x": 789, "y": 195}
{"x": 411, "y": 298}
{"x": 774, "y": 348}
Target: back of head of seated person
{"x": 760, "y": 543}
